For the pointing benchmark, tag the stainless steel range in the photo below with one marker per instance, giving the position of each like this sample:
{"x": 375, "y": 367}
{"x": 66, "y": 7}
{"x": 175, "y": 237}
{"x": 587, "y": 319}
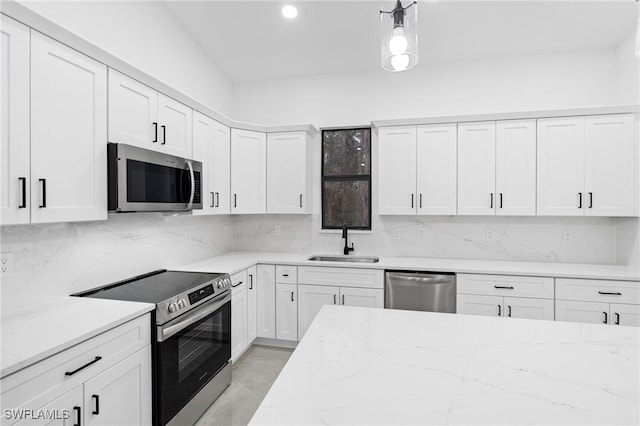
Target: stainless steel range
{"x": 192, "y": 349}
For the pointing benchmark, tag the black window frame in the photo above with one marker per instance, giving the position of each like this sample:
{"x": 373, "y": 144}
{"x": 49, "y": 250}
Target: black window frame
{"x": 366, "y": 178}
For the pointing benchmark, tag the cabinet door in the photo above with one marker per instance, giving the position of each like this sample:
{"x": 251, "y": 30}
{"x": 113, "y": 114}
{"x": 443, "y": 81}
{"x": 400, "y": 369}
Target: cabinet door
{"x": 248, "y": 171}
{"x": 68, "y": 134}
{"x": 71, "y": 402}
{"x": 472, "y": 304}
{"x": 121, "y": 395}
{"x": 203, "y": 131}
{"x": 397, "y": 170}
{"x": 286, "y": 172}
{"x": 311, "y": 299}
{"x": 252, "y": 299}
{"x": 14, "y": 128}
{"x": 133, "y": 112}
{"x": 437, "y": 176}
{"x": 590, "y": 312}
{"x": 611, "y": 179}
{"x": 561, "y": 167}
{"x": 366, "y": 297}
{"x": 175, "y": 127}
{"x": 220, "y": 176}
{"x": 287, "y": 312}
{"x": 239, "y": 329}
{"x": 476, "y": 168}
{"x": 624, "y": 314}
{"x": 266, "y": 304}
{"x": 520, "y": 307}
{"x": 516, "y": 168}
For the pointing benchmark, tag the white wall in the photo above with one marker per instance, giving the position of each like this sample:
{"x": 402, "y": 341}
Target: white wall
{"x": 511, "y": 84}
{"x": 56, "y": 260}
{"x": 144, "y": 34}
{"x": 628, "y": 71}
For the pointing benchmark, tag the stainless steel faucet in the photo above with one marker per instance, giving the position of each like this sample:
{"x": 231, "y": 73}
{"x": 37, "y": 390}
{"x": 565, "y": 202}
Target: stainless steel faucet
{"x": 347, "y": 249}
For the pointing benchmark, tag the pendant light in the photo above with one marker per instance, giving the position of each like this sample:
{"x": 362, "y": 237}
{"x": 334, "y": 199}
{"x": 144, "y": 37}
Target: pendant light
{"x": 399, "y": 44}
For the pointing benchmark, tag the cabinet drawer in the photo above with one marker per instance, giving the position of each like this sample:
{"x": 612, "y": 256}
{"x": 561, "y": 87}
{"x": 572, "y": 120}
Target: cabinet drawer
{"x": 286, "y": 274}
{"x": 35, "y": 386}
{"x": 239, "y": 280}
{"x": 505, "y": 285}
{"x": 347, "y": 277}
{"x": 598, "y": 290}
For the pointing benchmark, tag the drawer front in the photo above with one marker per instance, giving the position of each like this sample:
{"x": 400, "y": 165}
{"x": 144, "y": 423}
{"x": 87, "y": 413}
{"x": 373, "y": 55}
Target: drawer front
{"x": 598, "y": 290}
{"x": 346, "y": 277}
{"x": 239, "y": 281}
{"x": 286, "y": 274}
{"x": 505, "y": 285}
{"x": 42, "y": 382}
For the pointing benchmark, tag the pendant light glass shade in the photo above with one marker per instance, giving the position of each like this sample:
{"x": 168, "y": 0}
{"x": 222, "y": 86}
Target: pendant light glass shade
{"x": 399, "y": 36}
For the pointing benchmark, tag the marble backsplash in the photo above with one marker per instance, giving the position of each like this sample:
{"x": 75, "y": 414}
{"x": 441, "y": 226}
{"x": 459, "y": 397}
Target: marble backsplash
{"x": 53, "y": 260}
{"x": 593, "y": 240}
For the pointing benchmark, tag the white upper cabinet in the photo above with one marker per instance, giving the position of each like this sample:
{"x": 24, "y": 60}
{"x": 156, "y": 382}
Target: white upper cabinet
{"x": 611, "y": 177}
{"x": 140, "y": 116}
{"x": 14, "y": 128}
{"x": 174, "y": 133}
{"x": 133, "y": 111}
{"x": 220, "y": 176}
{"x": 287, "y": 173}
{"x": 476, "y": 168}
{"x": 561, "y": 166}
{"x": 516, "y": 168}
{"x": 212, "y": 147}
{"x": 587, "y": 166}
{"x": 436, "y": 156}
{"x": 68, "y": 134}
{"x": 248, "y": 172}
{"x": 397, "y": 170}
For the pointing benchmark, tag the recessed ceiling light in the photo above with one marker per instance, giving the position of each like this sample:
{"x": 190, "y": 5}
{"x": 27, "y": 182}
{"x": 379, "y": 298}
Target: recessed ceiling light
{"x": 289, "y": 11}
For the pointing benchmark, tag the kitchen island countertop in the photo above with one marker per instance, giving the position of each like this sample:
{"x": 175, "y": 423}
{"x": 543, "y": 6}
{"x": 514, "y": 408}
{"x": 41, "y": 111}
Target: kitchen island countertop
{"x": 362, "y": 366}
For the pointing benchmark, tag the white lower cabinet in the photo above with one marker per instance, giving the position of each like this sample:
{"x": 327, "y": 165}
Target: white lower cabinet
{"x": 287, "y": 312}
{"x": 252, "y": 299}
{"x": 266, "y": 301}
{"x": 312, "y": 297}
{"x": 598, "y": 301}
{"x": 505, "y": 296}
{"x": 508, "y": 307}
{"x": 105, "y": 380}
{"x": 122, "y": 394}
{"x": 239, "y": 315}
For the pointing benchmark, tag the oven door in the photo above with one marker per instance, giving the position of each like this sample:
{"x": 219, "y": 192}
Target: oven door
{"x": 190, "y": 350}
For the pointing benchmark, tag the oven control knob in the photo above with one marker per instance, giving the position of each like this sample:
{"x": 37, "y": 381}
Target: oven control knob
{"x": 220, "y": 284}
{"x": 182, "y": 304}
{"x": 172, "y": 308}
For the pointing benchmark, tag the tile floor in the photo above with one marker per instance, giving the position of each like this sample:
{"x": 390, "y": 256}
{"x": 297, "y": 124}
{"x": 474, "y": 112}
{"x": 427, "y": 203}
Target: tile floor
{"x": 251, "y": 379}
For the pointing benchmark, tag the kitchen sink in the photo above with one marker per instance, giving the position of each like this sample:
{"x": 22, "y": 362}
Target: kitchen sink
{"x": 353, "y": 259}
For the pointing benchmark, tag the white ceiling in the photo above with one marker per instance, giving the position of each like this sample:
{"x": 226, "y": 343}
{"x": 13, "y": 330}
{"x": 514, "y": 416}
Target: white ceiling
{"x": 251, "y": 40}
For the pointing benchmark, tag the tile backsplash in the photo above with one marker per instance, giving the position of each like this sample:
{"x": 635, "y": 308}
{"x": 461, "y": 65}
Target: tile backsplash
{"x": 540, "y": 239}
{"x": 53, "y": 260}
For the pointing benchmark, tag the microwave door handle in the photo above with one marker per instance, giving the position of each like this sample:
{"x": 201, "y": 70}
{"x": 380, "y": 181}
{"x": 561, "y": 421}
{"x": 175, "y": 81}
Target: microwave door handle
{"x": 193, "y": 184}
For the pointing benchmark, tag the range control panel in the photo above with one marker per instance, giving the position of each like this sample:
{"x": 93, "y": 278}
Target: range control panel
{"x": 200, "y": 294}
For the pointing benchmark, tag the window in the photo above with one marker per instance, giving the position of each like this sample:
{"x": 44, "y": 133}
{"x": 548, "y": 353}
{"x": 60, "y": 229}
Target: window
{"x": 346, "y": 178}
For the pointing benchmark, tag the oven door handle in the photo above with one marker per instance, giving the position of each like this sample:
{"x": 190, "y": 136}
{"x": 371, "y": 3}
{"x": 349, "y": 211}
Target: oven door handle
{"x": 193, "y": 185}
{"x": 179, "y": 324}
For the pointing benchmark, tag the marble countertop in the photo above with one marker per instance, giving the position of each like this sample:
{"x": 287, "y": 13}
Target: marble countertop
{"x": 33, "y": 334}
{"x": 363, "y": 366}
{"x": 237, "y": 261}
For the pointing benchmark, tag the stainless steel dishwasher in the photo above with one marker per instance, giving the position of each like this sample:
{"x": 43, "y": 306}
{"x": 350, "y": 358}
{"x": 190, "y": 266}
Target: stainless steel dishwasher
{"x": 420, "y": 291}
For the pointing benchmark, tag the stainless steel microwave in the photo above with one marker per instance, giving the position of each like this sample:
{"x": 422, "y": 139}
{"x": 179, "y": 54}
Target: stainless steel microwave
{"x": 144, "y": 180}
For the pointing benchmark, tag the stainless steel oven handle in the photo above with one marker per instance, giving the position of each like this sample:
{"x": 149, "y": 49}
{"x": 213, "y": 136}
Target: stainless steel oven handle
{"x": 193, "y": 184}
{"x": 179, "y": 324}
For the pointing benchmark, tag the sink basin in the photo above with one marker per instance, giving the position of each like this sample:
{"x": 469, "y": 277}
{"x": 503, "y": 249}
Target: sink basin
{"x": 352, "y": 259}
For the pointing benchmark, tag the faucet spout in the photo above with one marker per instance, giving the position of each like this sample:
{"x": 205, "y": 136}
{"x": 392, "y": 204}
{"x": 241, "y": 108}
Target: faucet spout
{"x": 347, "y": 249}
